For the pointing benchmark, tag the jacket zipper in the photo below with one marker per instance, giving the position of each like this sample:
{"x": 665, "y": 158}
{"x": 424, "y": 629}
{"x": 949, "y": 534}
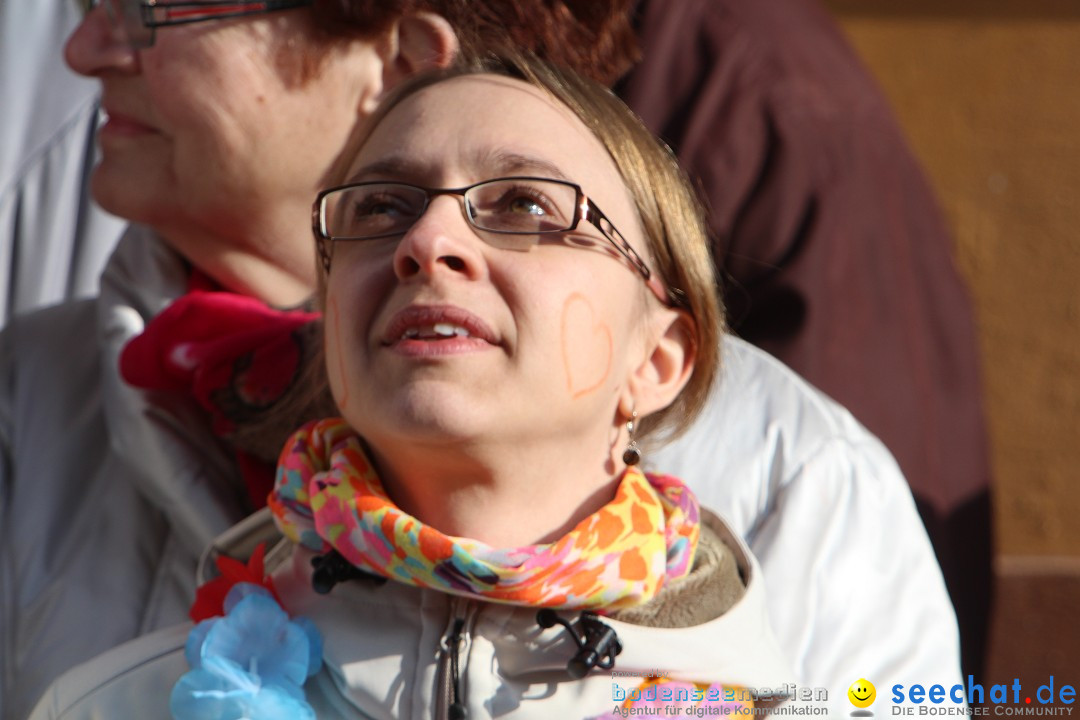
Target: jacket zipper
{"x": 453, "y": 644}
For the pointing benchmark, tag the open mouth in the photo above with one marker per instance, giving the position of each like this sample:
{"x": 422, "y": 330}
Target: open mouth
{"x": 439, "y": 325}
{"x": 438, "y": 331}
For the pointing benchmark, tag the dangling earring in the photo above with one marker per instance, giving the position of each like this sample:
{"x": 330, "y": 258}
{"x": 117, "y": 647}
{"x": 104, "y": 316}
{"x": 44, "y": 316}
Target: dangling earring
{"x": 632, "y": 454}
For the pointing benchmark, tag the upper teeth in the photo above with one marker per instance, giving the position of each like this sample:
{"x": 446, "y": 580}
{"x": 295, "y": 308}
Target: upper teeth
{"x": 440, "y": 329}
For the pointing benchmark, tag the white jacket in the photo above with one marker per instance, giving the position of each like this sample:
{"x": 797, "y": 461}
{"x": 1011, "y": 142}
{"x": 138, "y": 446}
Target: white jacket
{"x": 385, "y": 654}
{"x": 108, "y": 494}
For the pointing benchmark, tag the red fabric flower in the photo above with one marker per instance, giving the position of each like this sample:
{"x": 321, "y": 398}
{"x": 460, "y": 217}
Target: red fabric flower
{"x": 210, "y": 597}
{"x": 234, "y": 354}
{"x": 207, "y": 342}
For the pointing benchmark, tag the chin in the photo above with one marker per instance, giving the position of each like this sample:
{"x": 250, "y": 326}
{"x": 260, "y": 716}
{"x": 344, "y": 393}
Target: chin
{"x": 130, "y": 189}
{"x": 434, "y": 427}
{"x": 421, "y": 419}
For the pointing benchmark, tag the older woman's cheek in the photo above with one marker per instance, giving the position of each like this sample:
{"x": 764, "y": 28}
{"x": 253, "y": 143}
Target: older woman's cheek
{"x": 335, "y": 359}
{"x": 586, "y": 346}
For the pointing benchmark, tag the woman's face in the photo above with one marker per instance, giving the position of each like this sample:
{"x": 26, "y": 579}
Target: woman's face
{"x": 435, "y": 335}
{"x": 212, "y": 127}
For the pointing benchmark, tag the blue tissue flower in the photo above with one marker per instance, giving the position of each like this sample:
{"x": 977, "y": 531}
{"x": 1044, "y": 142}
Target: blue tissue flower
{"x": 250, "y": 664}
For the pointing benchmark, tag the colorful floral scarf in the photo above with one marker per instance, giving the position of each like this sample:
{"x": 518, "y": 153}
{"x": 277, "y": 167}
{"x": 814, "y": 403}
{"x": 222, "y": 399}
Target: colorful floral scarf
{"x": 327, "y": 496}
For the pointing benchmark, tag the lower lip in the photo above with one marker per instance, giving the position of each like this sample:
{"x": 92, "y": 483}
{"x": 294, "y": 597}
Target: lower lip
{"x": 121, "y": 127}
{"x": 439, "y": 348}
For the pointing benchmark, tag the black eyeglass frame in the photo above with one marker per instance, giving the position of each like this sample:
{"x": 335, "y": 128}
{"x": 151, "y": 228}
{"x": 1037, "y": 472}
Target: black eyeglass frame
{"x": 584, "y": 209}
{"x": 213, "y": 8}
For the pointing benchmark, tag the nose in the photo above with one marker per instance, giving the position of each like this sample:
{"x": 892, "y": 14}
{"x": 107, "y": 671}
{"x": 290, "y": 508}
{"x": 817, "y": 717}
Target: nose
{"x": 95, "y": 46}
{"x": 441, "y": 240}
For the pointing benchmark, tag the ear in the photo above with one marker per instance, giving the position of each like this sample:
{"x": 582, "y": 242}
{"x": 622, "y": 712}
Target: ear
{"x": 418, "y": 42}
{"x": 667, "y": 367}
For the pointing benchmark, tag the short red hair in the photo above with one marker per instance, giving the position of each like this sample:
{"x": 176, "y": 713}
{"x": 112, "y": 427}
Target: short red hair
{"x": 594, "y": 38}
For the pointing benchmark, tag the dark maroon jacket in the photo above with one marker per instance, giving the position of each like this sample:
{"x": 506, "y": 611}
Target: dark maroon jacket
{"x": 833, "y": 252}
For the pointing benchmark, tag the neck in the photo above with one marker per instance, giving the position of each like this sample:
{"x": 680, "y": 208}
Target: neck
{"x": 503, "y": 497}
{"x": 270, "y": 259}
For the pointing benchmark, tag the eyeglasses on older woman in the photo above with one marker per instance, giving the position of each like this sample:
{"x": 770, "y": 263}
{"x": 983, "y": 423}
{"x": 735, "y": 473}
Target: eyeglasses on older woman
{"x": 139, "y": 20}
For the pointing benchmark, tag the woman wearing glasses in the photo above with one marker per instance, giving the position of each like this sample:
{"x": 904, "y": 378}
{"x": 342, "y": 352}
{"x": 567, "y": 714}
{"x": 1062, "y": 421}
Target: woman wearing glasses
{"x": 221, "y": 121}
{"x": 474, "y": 537}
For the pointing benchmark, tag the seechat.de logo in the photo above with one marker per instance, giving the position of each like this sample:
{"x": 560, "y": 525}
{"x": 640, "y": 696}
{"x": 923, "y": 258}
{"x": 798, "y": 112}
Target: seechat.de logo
{"x": 1000, "y": 700}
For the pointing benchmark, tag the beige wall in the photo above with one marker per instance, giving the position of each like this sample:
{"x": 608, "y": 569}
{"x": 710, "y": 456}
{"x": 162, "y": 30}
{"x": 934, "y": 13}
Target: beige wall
{"x": 988, "y": 92}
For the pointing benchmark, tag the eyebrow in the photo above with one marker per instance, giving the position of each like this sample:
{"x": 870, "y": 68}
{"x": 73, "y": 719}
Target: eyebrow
{"x": 393, "y": 167}
{"x": 511, "y": 162}
{"x": 501, "y": 162}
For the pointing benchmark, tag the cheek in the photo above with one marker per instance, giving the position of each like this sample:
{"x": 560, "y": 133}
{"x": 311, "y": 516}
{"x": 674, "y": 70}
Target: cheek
{"x": 180, "y": 83}
{"x": 335, "y": 358}
{"x": 586, "y": 346}
{"x": 355, "y": 294}
{"x": 214, "y": 123}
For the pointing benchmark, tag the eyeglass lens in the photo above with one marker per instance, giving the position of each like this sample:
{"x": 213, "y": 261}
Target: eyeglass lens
{"x": 126, "y": 16}
{"x": 514, "y": 206}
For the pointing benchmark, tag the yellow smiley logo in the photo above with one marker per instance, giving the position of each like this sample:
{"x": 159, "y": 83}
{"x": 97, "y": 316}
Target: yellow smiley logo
{"x": 862, "y": 693}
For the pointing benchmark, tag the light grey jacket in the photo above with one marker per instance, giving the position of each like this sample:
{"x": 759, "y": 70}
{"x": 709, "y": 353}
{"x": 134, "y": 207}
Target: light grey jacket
{"x": 108, "y": 494}
{"x": 387, "y": 646}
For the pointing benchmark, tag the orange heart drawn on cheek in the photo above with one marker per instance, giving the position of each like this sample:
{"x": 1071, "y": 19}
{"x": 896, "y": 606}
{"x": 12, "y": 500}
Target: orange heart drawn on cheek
{"x": 586, "y": 347}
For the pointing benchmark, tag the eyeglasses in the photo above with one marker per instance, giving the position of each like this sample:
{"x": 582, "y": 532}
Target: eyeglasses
{"x": 139, "y": 19}
{"x": 509, "y": 213}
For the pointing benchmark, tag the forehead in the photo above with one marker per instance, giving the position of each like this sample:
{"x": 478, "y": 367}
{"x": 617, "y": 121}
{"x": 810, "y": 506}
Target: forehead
{"x": 476, "y": 127}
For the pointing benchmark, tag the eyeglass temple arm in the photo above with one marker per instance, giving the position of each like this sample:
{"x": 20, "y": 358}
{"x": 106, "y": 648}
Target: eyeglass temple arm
{"x": 322, "y": 240}
{"x": 596, "y": 218}
{"x": 210, "y": 10}
{"x": 256, "y": 4}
